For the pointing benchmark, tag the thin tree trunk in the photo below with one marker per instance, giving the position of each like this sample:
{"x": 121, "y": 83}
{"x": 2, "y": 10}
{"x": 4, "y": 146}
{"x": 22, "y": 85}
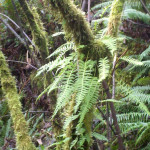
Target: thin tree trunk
{"x": 8, "y": 83}
{"x": 118, "y": 132}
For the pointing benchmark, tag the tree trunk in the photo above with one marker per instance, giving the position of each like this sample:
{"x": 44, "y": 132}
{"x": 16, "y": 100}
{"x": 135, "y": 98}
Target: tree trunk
{"x": 23, "y": 140}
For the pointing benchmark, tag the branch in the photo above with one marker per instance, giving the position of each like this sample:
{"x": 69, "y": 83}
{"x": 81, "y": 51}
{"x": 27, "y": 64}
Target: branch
{"x": 22, "y": 63}
{"x": 105, "y": 118}
{"x": 18, "y": 28}
{"x": 13, "y": 31}
{"x": 145, "y": 8}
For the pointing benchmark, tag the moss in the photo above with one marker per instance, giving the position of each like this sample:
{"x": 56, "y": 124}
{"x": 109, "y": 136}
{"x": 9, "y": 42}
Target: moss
{"x": 88, "y": 129}
{"x": 76, "y": 27}
{"x": 23, "y": 140}
{"x": 114, "y": 18}
{"x": 68, "y": 131}
{"x": 37, "y": 29}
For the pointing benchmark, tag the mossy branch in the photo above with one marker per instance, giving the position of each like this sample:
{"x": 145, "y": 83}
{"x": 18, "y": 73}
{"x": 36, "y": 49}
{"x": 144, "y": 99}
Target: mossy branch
{"x": 37, "y": 29}
{"x": 76, "y": 27}
{"x": 23, "y": 140}
{"x": 114, "y": 17}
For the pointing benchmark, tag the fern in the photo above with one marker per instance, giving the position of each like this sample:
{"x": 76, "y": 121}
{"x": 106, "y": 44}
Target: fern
{"x": 67, "y": 89}
{"x": 111, "y": 43}
{"x": 103, "y": 69}
{"x": 83, "y": 81}
{"x": 89, "y": 100}
{"x": 63, "y": 49}
{"x": 99, "y": 136}
{"x": 145, "y": 53}
{"x": 55, "y": 64}
{"x": 132, "y": 61}
{"x": 136, "y": 15}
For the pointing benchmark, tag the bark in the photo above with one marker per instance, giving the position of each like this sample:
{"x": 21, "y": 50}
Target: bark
{"x": 23, "y": 140}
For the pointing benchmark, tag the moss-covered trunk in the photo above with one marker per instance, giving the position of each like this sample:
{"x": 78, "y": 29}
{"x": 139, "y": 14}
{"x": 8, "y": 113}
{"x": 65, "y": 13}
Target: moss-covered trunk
{"x": 37, "y": 29}
{"x": 8, "y": 83}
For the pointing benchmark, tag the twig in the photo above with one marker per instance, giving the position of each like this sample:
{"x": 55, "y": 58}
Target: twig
{"x": 22, "y": 63}
{"x": 113, "y": 77}
{"x": 145, "y": 8}
{"x": 105, "y": 118}
{"x": 114, "y": 68}
{"x": 13, "y": 31}
{"x": 18, "y": 28}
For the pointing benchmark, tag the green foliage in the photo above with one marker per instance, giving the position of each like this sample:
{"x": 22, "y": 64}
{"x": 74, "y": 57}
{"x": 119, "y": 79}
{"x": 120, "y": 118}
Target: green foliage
{"x": 103, "y": 69}
{"x": 136, "y": 15}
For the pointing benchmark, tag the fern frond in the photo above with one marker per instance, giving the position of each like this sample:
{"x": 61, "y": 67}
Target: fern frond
{"x": 110, "y": 42}
{"x": 99, "y": 136}
{"x": 63, "y": 49}
{"x": 83, "y": 81}
{"x": 101, "y": 5}
{"x": 136, "y": 15}
{"x": 67, "y": 88}
{"x": 145, "y": 53}
{"x": 132, "y": 117}
{"x": 90, "y": 99}
{"x": 144, "y": 136}
{"x": 103, "y": 69}
{"x": 55, "y": 64}
{"x": 132, "y": 61}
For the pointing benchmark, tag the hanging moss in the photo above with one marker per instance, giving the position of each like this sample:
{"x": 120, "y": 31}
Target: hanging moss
{"x": 37, "y": 29}
{"x": 114, "y": 18}
{"x": 23, "y": 140}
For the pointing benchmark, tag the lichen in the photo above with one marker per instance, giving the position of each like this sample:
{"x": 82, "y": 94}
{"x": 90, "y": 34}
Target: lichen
{"x": 23, "y": 140}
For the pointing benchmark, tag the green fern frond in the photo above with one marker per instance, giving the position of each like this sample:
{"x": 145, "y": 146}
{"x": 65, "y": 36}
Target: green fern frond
{"x": 141, "y": 88}
{"x": 136, "y": 15}
{"x": 83, "y": 81}
{"x": 99, "y": 136}
{"x": 55, "y": 64}
{"x": 90, "y": 99}
{"x": 145, "y": 53}
{"x": 103, "y": 69}
{"x": 136, "y": 4}
{"x": 101, "y": 5}
{"x": 66, "y": 90}
{"x": 63, "y": 49}
{"x": 132, "y": 117}
{"x": 132, "y": 61}
{"x": 144, "y": 136}
{"x": 110, "y": 42}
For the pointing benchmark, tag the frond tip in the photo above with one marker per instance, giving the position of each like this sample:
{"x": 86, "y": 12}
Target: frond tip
{"x": 103, "y": 69}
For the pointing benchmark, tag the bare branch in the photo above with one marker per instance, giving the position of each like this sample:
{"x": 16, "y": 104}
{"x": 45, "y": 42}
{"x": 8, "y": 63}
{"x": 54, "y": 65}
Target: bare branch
{"x": 18, "y": 28}
{"x": 13, "y": 31}
{"x": 22, "y": 63}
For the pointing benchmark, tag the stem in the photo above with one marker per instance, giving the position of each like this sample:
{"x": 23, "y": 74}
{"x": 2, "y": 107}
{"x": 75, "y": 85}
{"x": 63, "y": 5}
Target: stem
{"x": 89, "y": 7}
{"x": 13, "y": 31}
{"x": 18, "y": 28}
{"x": 113, "y": 111}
